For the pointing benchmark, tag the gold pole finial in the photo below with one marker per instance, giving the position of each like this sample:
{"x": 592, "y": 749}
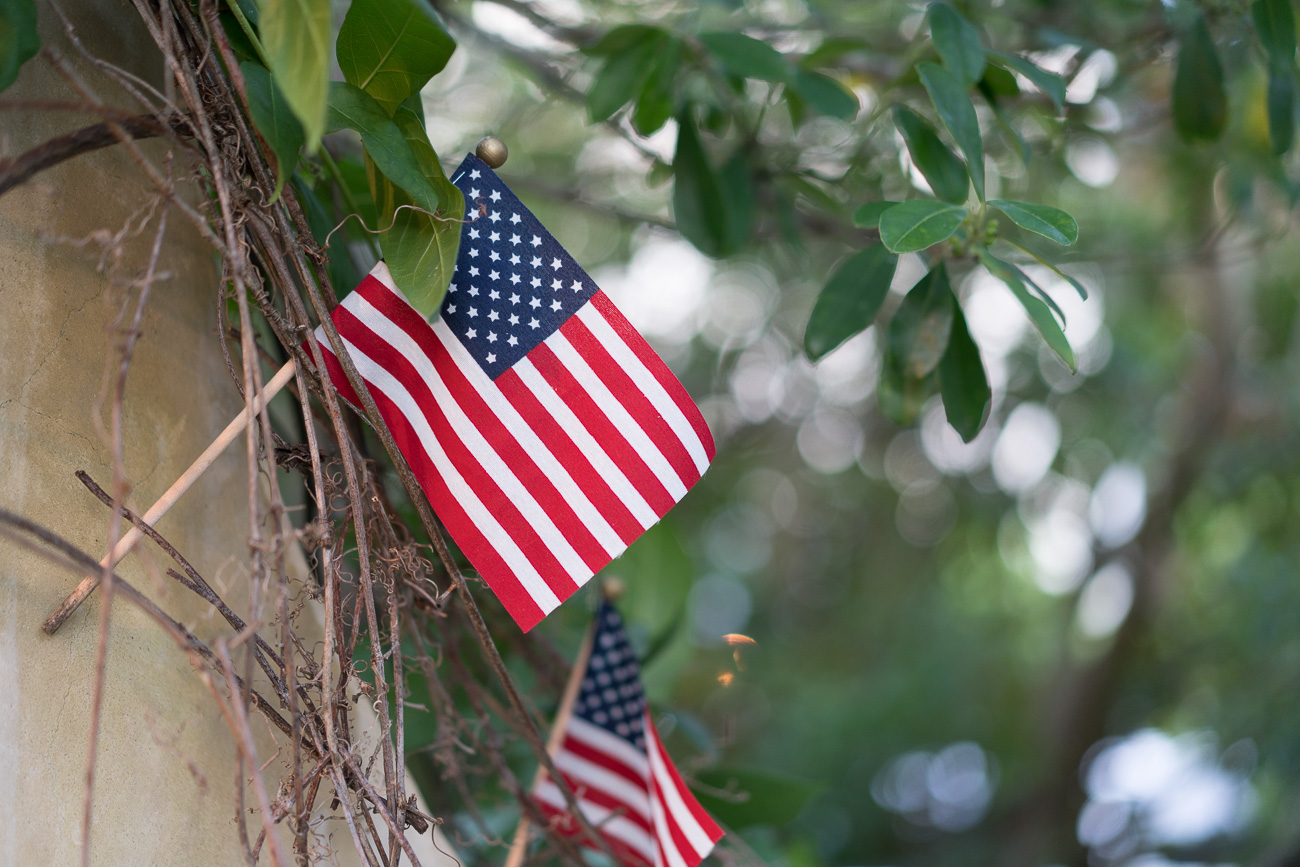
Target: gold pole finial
{"x": 492, "y": 151}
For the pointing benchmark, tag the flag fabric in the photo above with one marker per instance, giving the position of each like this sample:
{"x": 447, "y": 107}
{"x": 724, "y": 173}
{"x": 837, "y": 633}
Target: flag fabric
{"x": 616, "y": 766}
{"x": 544, "y": 430}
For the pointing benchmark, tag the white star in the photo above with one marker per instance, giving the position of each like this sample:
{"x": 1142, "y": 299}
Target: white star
{"x": 493, "y": 315}
{"x": 537, "y": 262}
{"x": 537, "y": 282}
{"x": 473, "y": 311}
{"x": 533, "y": 323}
{"x": 577, "y": 287}
{"x": 474, "y": 193}
{"x": 492, "y": 337}
{"x": 471, "y": 333}
{"x": 513, "y": 341}
{"x": 514, "y": 320}
{"x": 494, "y": 256}
{"x": 473, "y": 254}
{"x": 514, "y": 298}
{"x": 555, "y": 305}
{"x": 557, "y": 283}
{"x": 473, "y": 271}
{"x": 471, "y": 215}
{"x": 494, "y": 237}
{"x": 496, "y": 196}
{"x": 495, "y": 216}
{"x": 514, "y": 259}
{"x": 536, "y": 242}
{"x": 494, "y": 294}
{"x": 473, "y": 234}
{"x": 474, "y": 175}
{"x": 515, "y": 279}
{"x": 534, "y": 303}
{"x": 515, "y": 239}
{"x": 555, "y": 263}
{"x": 491, "y": 358}
{"x": 473, "y": 291}
{"x": 451, "y": 308}
{"x": 452, "y": 288}
{"x": 494, "y": 275}
{"x": 514, "y": 218}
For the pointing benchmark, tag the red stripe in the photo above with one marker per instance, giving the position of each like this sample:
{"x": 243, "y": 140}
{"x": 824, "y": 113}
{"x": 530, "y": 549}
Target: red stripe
{"x": 493, "y": 498}
{"x": 552, "y": 434}
{"x": 583, "y": 750}
{"x": 598, "y": 424}
{"x": 567, "y": 827}
{"x": 634, "y": 400}
{"x": 706, "y": 822}
{"x": 499, "y": 437}
{"x": 657, "y": 368}
{"x": 585, "y": 791}
{"x": 500, "y": 577}
{"x": 679, "y": 842}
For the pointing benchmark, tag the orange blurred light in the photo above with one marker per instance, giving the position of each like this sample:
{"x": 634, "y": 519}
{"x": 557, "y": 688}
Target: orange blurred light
{"x": 735, "y": 638}
{"x": 725, "y": 678}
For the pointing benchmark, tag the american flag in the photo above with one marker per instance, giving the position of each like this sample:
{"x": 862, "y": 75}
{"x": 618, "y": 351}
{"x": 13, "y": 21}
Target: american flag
{"x": 545, "y": 431}
{"x": 617, "y": 768}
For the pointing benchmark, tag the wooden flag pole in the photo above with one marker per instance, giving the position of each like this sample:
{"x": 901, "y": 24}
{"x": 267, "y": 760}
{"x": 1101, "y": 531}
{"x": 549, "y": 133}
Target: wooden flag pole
{"x": 519, "y": 848}
{"x": 169, "y": 497}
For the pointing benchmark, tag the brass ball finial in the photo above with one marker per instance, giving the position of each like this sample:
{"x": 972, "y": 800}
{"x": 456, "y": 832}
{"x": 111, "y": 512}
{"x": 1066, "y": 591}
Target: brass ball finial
{"x": 612, "y": 588}
{"x": 492, "y": 151}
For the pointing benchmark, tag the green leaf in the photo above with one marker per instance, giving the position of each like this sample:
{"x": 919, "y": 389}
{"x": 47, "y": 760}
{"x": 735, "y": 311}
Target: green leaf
{"x": 1039, "y": 313}
{"x": 868, "y": 216}
{"x": 850, "y": 300}
{"x": 342, "y": 270}
{"x": 296, "y": 36}
{"x": 758, "y": 797}
{"x": 1200, "y": 103}
{"x": 622, "y": 38}
{"x": 1048, "y": 82}
{"x": 944, "y": 172}
{"x": 623, "y": 76}
{"x": 958, "y": 43}
{"x": 391, "y": 48}
{"x": 918, "y": 333}
{"x": 1052, "y": 223}
{"x": 998, "y": 82}
{"x": 900, "y": 396}
{"x": 655, "y": 104}
{"x": 918, "y": 224}
{"x": 1078, "y": 287}
{"x": 958, "y": 115}
{"x": 737, "y": 188}
{"x": 19, "y": 40}
{"x": 1275, "y": 24}
{"x": 963, "y": 382}
{"x": 274, "y": 120}
{"x": 825, "y": 94}
{"x": 386, "y": 144}
{"x": 697, "y": 195}
{"x": 747, "y": 57}
{"x": 1281, "y": 110}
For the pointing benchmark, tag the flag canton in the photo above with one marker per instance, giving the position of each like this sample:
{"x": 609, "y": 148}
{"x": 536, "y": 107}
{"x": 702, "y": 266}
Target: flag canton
{"x": 612, "y": 696}
{"x": 514, "y": 285}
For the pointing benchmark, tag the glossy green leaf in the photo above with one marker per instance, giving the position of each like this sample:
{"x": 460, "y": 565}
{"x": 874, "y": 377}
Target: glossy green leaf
{"x": 918, "y": 333}
{"x": 958, "y": 43}
{"x": 1275, "y": 24}
{"x": 385, "y": 142}
{"x": 962, "y": 381}
{"x": 825, "y": 94}
{"x": 1200, "y": 103}
{"x": 1052, "y": 223}
{"x": 623, "y": 76}
{"x": 747, "y": 57}
{"x": 622, "y": 38}
{"x": 958, "y": 115}
{"x": 19, "y": 40}
{"x": 850, "y": 300}
{"x": 918, "y": 224}
{"x": 943, "y": 171}
{"x": 698, "y": 207}
{"x": 1039, "y": 313}
{"x": 1281, "y": 110}
{"x": 1048, "y": 82}
{"x": 756, "y": 797}
{"x": 274, "y": 120}
{"x": 1078, "y": 287}
{"x": 655, "y": 104}
{"x": 296, "y": 36}
{"x": 868, "y": 216}
{"x": 391, "y": 48}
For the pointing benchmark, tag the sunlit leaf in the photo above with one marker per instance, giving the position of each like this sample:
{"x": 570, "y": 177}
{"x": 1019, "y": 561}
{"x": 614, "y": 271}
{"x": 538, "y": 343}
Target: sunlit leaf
{"x": 958, "y": 43}
{"x": 1200, "y": 102}
{"x": 19, "y": 40}
{"x": 868, "y": 216}
{"x": 1039, "y": 313}
{"x": 1052, "y": 223}
{"x": 623, "y": 76}
{"x": 963, "y": 382}
{"x": 296, "y": 36}
{"x": 747, "y": 57}
{"x": 918, "y": 333}
{"x": 1048, "y": 82}
{"x": 943, "y": 171}
{"x": 918, "y": 224}
{"x": 391, "y": 48}
{"x": 274, "y": 120}
{"x": 850, "y": 300}
{"x": 958, "y": 115}
{"x": 825, "y": 94}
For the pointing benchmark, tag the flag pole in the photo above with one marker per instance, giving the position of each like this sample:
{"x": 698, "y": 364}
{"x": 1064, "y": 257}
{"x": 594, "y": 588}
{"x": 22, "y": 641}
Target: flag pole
{"x": 169, "y": 497}
{"x": 611, "y": 588}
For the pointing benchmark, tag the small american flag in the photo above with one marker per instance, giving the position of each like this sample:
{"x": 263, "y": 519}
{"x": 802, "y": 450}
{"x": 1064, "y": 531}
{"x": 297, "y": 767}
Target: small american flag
{"x": 614, "y": 762}
{"x": 545, "y": 431}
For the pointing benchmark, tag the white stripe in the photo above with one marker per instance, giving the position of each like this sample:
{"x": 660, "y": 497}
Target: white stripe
{"x": 604, "y": 820}
{"x": 631, "y": 430}
{"x": 681, "y": 814}
{"x": 378, "y": 378}
{"x": 666, "y": 852}
{"x": 532, "y": 445}
{"x": 650, "y": 386}
{"x": 610, "y": 744}
{"x": 604, "y": 780}
{"x": 479, "y": 448}
{"x": 586, "y": 443}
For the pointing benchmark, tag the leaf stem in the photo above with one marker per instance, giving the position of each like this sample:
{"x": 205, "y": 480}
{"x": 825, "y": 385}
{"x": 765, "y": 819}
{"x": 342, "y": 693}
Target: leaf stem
{"x": 248, "y": 31}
